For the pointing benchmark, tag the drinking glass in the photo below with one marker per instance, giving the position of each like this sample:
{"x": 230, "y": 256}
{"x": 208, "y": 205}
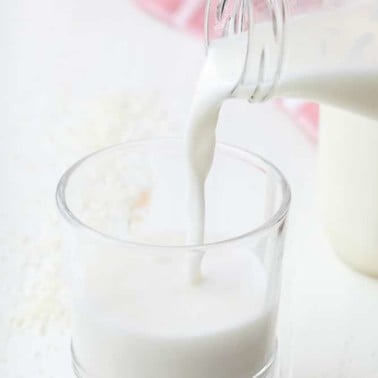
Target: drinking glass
{"x": 137, "y": 312}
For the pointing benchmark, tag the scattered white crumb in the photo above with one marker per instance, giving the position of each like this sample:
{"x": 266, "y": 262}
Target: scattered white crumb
{"x": 32, "y": 261}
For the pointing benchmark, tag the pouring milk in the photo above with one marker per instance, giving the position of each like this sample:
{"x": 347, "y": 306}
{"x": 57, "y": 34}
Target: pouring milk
{"x": 141, "y": 317}
{"x": 354, "y": 87}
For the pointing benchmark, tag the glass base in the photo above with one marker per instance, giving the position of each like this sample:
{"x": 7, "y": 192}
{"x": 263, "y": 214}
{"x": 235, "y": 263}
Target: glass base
{"x": 270, "y": 370}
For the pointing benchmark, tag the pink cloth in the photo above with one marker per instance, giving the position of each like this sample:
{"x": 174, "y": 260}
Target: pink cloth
{"x": 305, "y": 114}
{"x": 189, "y": 14}
{"x": 185, "y": 14}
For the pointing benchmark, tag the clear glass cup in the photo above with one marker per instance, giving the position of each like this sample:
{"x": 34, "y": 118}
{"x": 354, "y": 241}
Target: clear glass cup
{"x": 136, "y": 312}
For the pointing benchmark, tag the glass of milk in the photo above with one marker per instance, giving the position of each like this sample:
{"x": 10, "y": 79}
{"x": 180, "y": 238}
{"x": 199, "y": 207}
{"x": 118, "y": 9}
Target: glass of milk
{"x": 348, "y": 186}
{"x": 137, "y": 312}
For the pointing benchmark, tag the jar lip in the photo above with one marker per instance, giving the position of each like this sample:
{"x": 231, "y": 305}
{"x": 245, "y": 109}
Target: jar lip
{"x": 270, "y": 223}
{"x": 262, "y": 65}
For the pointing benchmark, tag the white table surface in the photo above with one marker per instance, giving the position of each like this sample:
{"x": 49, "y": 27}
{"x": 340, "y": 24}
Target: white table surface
{"x": 60, "y": 57}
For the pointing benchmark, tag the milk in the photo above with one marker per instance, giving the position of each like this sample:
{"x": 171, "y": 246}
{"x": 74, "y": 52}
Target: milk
{"x": 348, "y": 186}
{"x": 139, "y": 317}
{"x": 354, "y": 90}
{"x": 201, "y": 139}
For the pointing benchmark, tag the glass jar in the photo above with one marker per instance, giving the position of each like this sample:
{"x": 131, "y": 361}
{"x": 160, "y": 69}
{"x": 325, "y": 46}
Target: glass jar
{"x": 325, "y": 51}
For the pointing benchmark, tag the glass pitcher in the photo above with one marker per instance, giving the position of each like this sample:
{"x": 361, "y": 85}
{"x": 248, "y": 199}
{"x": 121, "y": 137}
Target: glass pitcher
{"x": 321, "y": 50}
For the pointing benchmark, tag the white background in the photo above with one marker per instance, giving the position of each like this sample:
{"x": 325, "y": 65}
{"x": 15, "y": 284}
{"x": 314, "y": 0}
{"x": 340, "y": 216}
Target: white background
{"x": 60, "y": 57}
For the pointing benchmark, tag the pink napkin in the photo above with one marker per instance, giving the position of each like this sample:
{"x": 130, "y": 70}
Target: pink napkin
{"x": 189, "y": 15}
{"x": 184, "y": 14}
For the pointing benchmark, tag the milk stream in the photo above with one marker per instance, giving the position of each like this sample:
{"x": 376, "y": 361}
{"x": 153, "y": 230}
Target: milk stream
{"x": 211, "y": 91}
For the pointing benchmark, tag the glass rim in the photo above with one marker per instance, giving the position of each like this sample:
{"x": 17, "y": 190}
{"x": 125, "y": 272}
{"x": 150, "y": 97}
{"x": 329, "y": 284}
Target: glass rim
{"x": 279, "y": 215}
